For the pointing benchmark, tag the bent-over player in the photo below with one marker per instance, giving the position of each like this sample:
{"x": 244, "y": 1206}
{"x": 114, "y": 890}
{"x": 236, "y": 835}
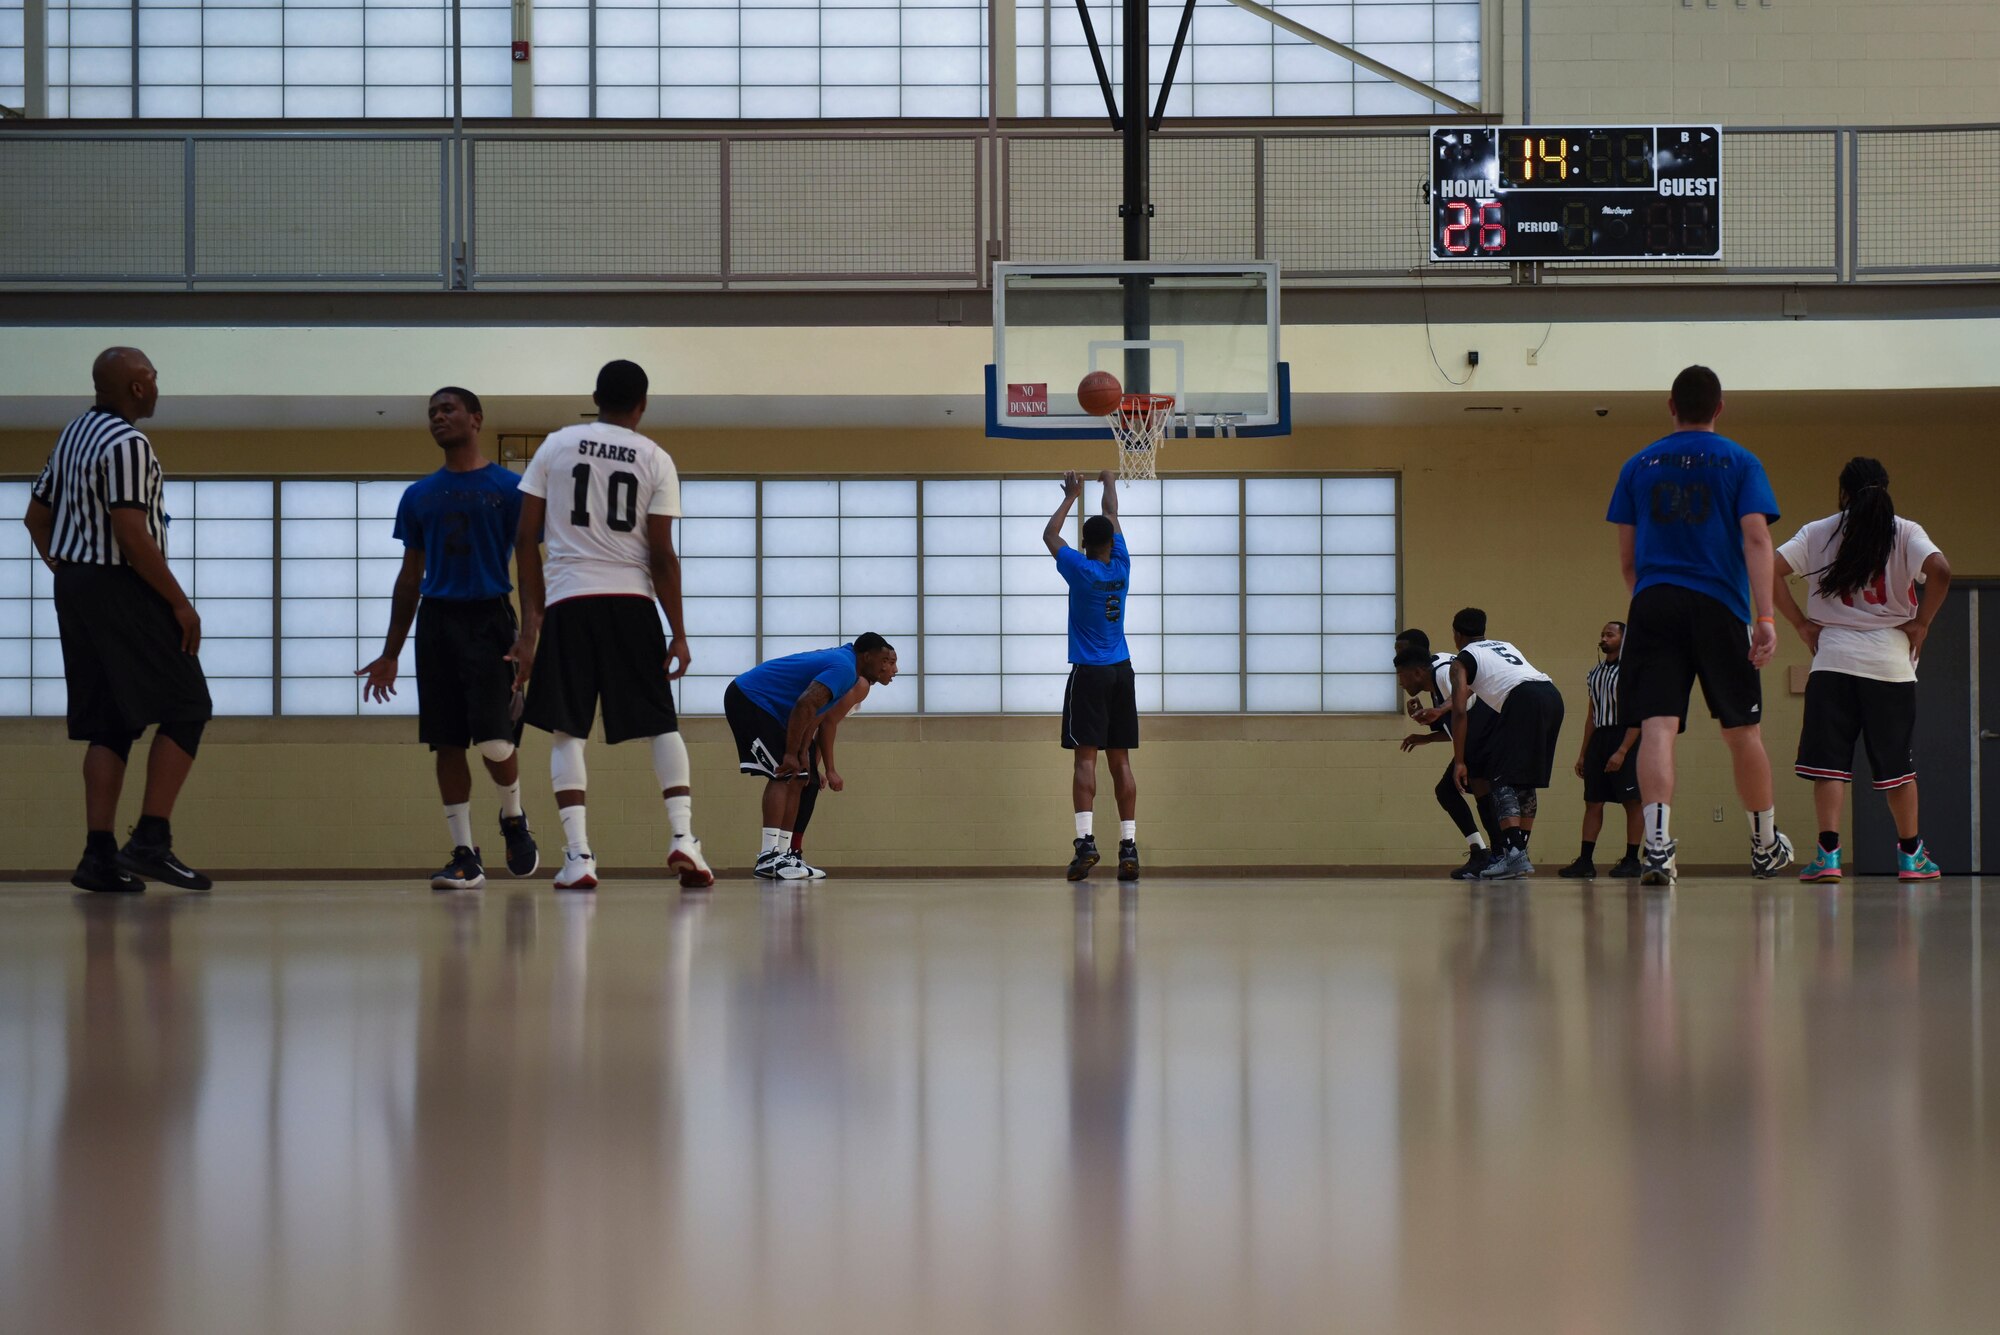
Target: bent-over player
{"x": 1421, "y": 672}
{"x": 1523, "y": 747}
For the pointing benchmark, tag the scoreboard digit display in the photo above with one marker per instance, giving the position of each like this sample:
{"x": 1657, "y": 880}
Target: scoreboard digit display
{"x": 1546, "y": 192}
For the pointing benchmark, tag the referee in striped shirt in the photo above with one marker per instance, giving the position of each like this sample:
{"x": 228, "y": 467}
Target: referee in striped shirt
{"x": 1609, "y": 770}
{"x": 129, "y": 633}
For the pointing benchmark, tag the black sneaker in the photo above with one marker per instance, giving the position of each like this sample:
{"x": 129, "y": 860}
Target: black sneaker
{"x": 100, "y": 873}
{"x": 523, "y": 857}
{"x": 1626, "y": 870}
{"x": 1474, "y": 864}
{"x": 1085, "y": 859}
{"x": 1583, "y": 869}
{"x": 463, "y": 872}
{"x": 1128, "y": 859}
{"x": 156, "y": 862}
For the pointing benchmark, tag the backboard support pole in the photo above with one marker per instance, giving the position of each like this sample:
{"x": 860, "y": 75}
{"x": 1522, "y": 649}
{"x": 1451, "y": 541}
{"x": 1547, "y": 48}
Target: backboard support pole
{"x": 1137, "y": 207}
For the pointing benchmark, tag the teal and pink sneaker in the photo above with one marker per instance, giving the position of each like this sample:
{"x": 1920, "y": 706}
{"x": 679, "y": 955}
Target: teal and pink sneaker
{"x": 1917, "y": 866}
{"x": 1825, "y": 866}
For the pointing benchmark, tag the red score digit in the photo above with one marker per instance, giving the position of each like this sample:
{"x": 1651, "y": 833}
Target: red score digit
{"x": 1459, "y": 216}
{"x": 1492, "y": 226}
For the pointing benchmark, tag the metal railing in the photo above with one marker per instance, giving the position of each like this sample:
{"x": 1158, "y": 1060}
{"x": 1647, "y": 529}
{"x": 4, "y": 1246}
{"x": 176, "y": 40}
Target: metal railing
{"x": 514, "y": 206}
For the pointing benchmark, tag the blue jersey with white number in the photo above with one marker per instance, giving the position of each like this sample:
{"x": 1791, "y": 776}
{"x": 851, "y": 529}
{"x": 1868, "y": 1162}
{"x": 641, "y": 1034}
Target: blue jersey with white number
{"x": 1687, "y": 495}
{"x": 465, "y": 522}
{"x": 1097, "y": 593}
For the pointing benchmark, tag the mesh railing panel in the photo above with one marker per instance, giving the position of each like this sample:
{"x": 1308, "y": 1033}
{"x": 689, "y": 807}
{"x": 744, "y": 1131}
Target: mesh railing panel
{"x": 884, "y": 207}
{"x": 1927, "y": 200}
{"x": 1351, "y": 206}
{"x": 318, "y": 207}
{"x": 1064, "y": 193}
{"x": 562, "y": 208}
{"x": 92, "y": 208}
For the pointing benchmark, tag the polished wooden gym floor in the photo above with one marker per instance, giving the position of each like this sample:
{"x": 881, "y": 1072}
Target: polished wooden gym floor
{"x": 1000, "y": 1106}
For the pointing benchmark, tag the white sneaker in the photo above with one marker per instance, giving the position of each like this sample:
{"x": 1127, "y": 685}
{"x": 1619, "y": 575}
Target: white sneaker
{"x": 766, "y": 866}
{"x": 812, "y": 873}
{"x": 688, "y": 861}
{"x": 579, "y": 872}
{"x": 790, "y": 867}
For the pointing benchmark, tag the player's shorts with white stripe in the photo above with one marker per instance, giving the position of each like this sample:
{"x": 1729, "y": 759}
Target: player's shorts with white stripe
{"x": 1842, "y": 708}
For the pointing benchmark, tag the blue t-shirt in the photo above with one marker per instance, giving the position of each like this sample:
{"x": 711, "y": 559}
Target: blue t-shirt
{"x": 775, "y": 687}
{"x": 1687, "y": 494}
{"x": 1097, "y": 593}
{"x": 465, "y": 523}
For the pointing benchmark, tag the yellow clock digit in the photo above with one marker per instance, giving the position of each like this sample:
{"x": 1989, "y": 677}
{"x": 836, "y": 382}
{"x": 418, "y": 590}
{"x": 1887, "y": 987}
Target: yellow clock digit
{"x": 1559, "y": 158}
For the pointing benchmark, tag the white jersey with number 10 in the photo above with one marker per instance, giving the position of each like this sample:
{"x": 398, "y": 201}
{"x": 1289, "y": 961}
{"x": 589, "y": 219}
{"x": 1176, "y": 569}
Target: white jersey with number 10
{"x": 1497, "y": 668}
{"x": 600, "y": 482}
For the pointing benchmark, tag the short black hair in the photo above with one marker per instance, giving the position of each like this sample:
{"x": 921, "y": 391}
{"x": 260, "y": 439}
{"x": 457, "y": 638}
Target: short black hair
{"x": 621, "y": 386}
{"x": 1413, "y": 658}
{"x": 1097, "y": 532}
{"x": 465, "y": 396}
{"x": 1697, "y": 395}
{"x": 1415, "y": 638}
{"x": 868, "y": 642}
{"x": 1470, "y": 622}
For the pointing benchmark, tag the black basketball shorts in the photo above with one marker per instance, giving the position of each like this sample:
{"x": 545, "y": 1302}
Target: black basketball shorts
{"x": 1524, "y": 740}
{"x": 760, "y": 735}
{"x": 122, "y": 657}
{"x": 610, "y": 650}
{"x": 1480, "y": 725}
{"x": 1601, "y": 785}
{"x": 465, "y": 685}
{"x": 1841, "y": 708}
{"x": 1101, "y": 707}
{"x": 1676, "y": 637}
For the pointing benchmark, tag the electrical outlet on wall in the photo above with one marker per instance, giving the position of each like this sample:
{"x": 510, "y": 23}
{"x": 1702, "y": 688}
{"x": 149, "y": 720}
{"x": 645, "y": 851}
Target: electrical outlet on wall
{"x": 1717, "y": 816}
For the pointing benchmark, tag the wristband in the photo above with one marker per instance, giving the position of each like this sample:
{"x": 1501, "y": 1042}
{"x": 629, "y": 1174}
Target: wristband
{"x": 1772, "y": 620}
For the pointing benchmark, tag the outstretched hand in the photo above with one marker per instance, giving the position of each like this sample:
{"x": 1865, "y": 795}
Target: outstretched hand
{"x": 381, "y": 683}
{"x": 1072, "y": 483}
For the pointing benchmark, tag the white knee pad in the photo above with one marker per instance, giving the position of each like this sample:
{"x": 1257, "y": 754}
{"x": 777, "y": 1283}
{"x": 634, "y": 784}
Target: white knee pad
{"x": 670, "y": 761}
{"x": 497, "y": 750}
{"x": 566, "y": 763}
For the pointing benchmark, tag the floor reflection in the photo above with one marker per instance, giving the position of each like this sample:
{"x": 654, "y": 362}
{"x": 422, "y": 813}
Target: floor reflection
{"x": 957, "y": 1106}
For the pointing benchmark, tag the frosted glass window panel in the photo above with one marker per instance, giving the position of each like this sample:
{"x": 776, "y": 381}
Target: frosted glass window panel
{"x": 1029, "y": 575}
{"x": 1199, "y": 574}
{"x": 1202, "y": 694}
{"x": 1392, "y": 23}
{"x": 1034, "y": 616}
{"x": 230, "y": 500}
{"x": 961, "y": 616}
{"x": 321, "y": 695}
{"x": 783, "y": 646}
{"x": 235, "y": 617}
{"x": 720, "y": 616}
{"x": 978, "y": 498}
{"x": 1388, "y": 99}
{"x": 716, "y": 537}
{"x": 50, "y": 697}
{"x": 1282, "y": 653}
{"x": 802, "y": 616}
{"x": 318, "y": 500}
{"x": 1290, "y": 694}
{"x": 700, "y": 65}
{"x": 1281, "y": 496}
{"x": 621, "y": 28}
{"x": 801, "y": 537}
{"x": 416, "y": 27}
{"x": 321, "y": 657}
{"x": 407, "y": 66}
{"x": 1359, "y": 574}
{"x": 1284, "y": 613}
{"x": 317, "y": 616}
{"x": 785, "y": 499}
{"x": 962, "y": 695}
{"x": 888, "y": 617}
{"x": 1199, "y": 533}
{"x": 232, "y": 579}
{"x": 860, "y": 27}
{"x": 1034, "y": 653}
{"x": 878, "y": 537}
{"x": 961, "y": 574}
{"x": 1021, "y": 535}
{"x": 1286, "y": 534}
{"x": 15, "y": 659}
{"x": 888, "y": 499}
{"x": 244, "y": 697}
{"x": 1359, "y": 534}
{"x": 1142, "y": 615}
{"x": 239, "y": 27}
{"x": 326, "y": 538}
{"x": 1359, "y": 653}
{"x": 618, "y": 66}
{"x": 719, "y": 499}
{"x": 873, "y": 101}
{"x": 1283, "y": 574}
{"x": 701, "y": 695}
{"x": 871, "y": 575}
{"x": 776, "y": 27}
{"x": 693, "y": 27}
{"x": 242, "y": 103}
{"x": 1352, "y": 614}
{"x": 725, "y": 654}
{"x": 801, "y": 576}
{"x": 716, "y": 577}
{"x": 1187, "y": 615}
{"x": 1206, "y": 653}
{"x": 1032, "y": 695}
{"x": 1029, "y": 496}
{"x": 1146, "y": 653}
{"x": 960, "y": 533}
{"x": 1354, "y": 694}
{"x": 961, "y": 654}
{"x": 170, "y": 65}
{"x": 571, "y": 27}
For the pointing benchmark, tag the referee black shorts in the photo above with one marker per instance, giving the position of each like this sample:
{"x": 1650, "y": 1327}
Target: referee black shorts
{"x": 465, "y": 685}
{"x": 608, "y": 649}
{"x": 122, "y": 656}
{"x": 1676, "y": 637}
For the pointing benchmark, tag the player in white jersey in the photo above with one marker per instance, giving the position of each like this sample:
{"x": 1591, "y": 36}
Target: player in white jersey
{"x": 1865, "y": 624}
{"x": 1523, "y": 750}
{"x": 1422, "y": 673}
{"x": 604, "y": 498}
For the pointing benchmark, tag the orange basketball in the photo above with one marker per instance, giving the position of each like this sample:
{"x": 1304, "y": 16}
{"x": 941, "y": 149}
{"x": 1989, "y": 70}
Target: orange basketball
{"x": 1099, "y": 393}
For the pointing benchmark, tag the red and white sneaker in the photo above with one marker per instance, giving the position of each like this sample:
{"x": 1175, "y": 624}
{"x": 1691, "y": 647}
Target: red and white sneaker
{"x": 688, "y": 861}
{"x": 579, "y": 872}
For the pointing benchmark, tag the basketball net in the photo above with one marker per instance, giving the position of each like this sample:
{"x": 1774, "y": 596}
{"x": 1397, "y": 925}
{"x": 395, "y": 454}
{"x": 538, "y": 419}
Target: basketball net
{"x": 1139, "y": 426}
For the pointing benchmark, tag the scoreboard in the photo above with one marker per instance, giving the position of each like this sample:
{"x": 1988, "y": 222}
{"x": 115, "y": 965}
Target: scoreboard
{"x": 1547, "y": 192}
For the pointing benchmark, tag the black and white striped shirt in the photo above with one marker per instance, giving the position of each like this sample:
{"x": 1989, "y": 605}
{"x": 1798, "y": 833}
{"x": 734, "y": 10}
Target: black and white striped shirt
{"x": 100, "y": 462}
{"x": 1603, "y": 685}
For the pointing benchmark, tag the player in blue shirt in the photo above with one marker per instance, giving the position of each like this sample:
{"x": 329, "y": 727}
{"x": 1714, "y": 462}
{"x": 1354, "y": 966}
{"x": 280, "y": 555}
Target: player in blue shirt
{"x": 1101, "y": 703}
{"x": 776, "y": 710}
{"x": 1694, "y": 513}
{"x": 457, "y": 527}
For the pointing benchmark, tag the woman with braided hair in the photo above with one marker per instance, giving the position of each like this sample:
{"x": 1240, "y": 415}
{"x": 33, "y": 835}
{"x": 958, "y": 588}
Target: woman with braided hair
{"x": 1865, "y": 624}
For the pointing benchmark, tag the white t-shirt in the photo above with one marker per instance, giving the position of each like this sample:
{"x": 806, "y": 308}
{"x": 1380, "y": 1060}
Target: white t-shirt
{"x": 600, "y": 482}
{"x": 1498, "y": 667}
{"x": 1861, "y": 634}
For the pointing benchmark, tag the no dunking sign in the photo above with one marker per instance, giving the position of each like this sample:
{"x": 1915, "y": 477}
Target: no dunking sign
{"x": 1027, "y": 400}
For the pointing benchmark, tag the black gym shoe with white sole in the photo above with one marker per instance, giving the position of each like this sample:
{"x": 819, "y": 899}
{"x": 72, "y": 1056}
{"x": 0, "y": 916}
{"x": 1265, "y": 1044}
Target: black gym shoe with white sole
{"x": 524, "y": 856}
{"x": 1128, "y": 859}
{"x": 1475, "y": 863}
{"x": 156, "y": 862}
{"x": 1086, "y": 858}
{"x": 464, "y": 872}
{"x": 101, "y": 874}
{"x": 1656, "y": 863}
{"x": 1768, "y": 861}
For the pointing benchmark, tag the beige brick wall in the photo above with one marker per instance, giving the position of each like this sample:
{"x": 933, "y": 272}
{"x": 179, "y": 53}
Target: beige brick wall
{"x": 1786, "y": 62}
{"x": 1510, "y": 519}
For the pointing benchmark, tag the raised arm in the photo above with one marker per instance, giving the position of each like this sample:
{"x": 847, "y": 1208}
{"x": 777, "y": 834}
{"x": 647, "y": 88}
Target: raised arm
{"x": 1109, "y": 481}
{"x": 1052, "y": 538}
{"x": 800, "y": 726}
{"x": 665, "y": 566}
{"x": 1760, "y": 561}
{"x": 381, "y": 673}
{"x": 1937, "y": 583}
{"x": 128, "y": 525}
{"x": 534, "y": 590}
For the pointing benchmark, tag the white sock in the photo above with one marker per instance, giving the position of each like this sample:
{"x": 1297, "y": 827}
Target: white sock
{"x": 772, "y": 841}
{"x": 1655, "y": 815}
{"x": 1128, "y": 829}
{"x": 510, "y": 800}
{"x": 1475, "y": 840}
{"x": 458, "y": 819}
{"x": 576, "y": 838}
{"x": 1083, "y": 821}
{"x": 784, "y": 841}
{"x": 1763, "y": 827}
{"x": 680, "y": 816}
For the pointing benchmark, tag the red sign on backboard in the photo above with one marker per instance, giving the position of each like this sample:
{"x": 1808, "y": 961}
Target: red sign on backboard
{"x": 1028, "y": 400}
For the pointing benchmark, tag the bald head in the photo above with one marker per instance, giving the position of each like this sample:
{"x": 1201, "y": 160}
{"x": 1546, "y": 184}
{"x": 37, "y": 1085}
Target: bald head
{"x": 125, "y": 382}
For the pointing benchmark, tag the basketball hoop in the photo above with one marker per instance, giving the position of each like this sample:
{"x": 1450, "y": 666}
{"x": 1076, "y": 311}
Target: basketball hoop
{"x": 1139, "y": 425}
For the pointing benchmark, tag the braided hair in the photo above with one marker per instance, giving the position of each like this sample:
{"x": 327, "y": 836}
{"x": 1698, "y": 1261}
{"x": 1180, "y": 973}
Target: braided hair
{"x": 1867, "y": 529}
